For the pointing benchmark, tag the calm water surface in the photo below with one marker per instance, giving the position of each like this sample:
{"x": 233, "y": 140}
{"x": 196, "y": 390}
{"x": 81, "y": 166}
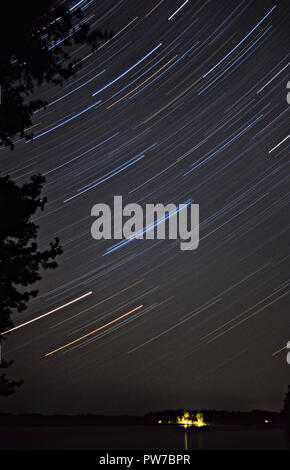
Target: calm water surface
{"x": 142, "y": 437}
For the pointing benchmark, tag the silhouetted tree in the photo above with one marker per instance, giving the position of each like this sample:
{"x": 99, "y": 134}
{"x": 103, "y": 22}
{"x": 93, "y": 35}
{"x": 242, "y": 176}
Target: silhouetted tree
{"x": 286, "y": 407}
{"x": 20, "y": 259}
{"x": 35, "y": 36}
{"x": 7, "y": 387}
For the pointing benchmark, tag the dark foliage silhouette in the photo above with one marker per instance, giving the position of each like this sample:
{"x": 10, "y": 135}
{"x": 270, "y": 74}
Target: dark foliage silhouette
{"x": 20, "y": 259}
{"x": 7, "y": 387}
{"x": 37, "y": 37}
{"x": 286, "y": 407}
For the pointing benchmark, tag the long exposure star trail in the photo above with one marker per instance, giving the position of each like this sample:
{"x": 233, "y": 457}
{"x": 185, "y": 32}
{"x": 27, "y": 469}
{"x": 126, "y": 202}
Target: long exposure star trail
{"x": 186, "y": 103}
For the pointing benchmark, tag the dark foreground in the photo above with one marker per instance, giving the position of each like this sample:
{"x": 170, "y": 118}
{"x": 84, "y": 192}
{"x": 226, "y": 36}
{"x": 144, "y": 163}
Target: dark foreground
{"x": 143, "y": 438}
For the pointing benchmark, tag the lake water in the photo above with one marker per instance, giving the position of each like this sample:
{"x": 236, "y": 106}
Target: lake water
{"x": 142, "y": 438}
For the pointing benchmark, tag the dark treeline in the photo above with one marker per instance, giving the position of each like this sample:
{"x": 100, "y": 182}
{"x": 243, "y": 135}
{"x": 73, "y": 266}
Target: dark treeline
{"x": 212, "y": 417}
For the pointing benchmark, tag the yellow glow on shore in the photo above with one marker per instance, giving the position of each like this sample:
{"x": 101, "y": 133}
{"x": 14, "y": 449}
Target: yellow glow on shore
{"x": 186, "y": 421}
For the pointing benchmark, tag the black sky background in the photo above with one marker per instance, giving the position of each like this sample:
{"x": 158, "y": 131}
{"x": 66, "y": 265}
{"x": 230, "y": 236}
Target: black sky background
{"x": 213, "y": 317}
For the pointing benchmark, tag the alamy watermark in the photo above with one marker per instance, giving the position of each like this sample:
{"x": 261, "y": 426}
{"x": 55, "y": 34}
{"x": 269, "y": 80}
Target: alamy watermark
{"x": 182, "y": 222}
{"x": 288, "y": 94}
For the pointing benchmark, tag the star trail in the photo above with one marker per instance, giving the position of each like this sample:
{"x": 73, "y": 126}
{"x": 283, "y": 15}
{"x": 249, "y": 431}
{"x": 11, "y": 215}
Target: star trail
{"x": 186, "y": 102}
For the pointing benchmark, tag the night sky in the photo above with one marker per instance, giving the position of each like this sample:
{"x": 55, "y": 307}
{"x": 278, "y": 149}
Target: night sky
{"x": 197, "y": 89}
